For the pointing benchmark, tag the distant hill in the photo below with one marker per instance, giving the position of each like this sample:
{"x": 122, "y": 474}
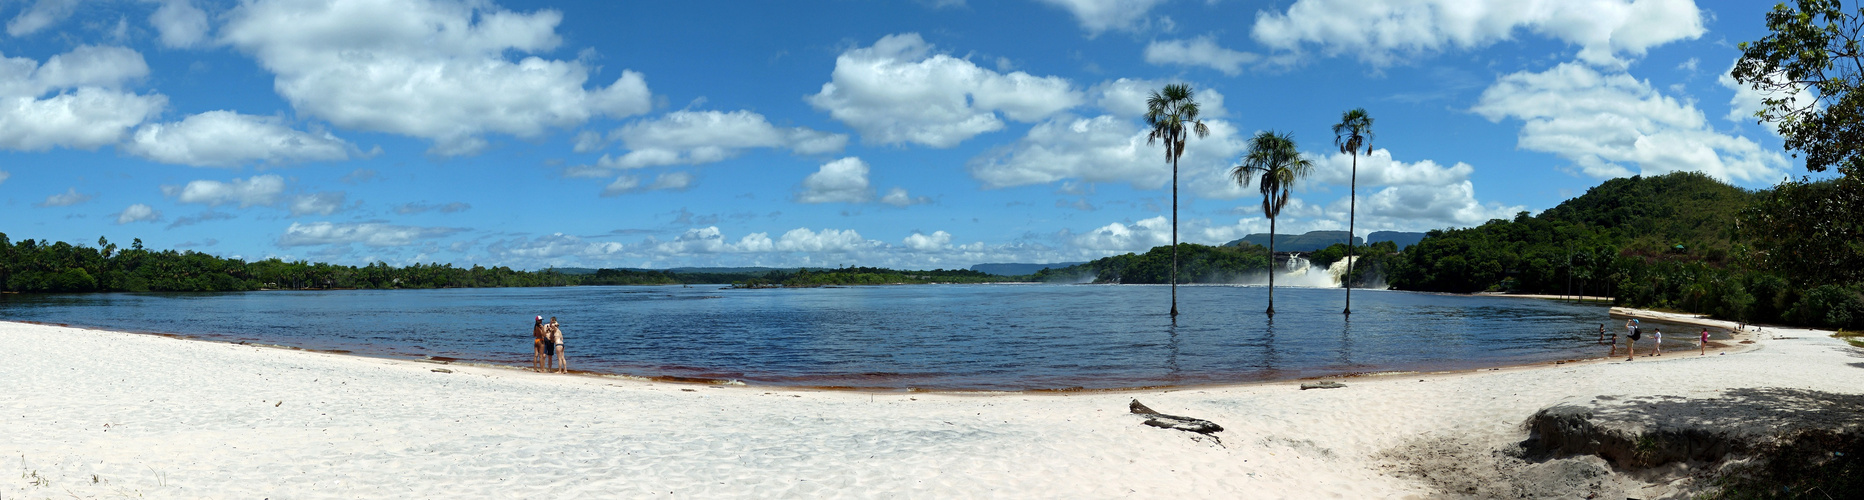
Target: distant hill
{"x": 1018, "y": 269}
{"x": 1313, "y": 240}
{"x": 1403, "y": 239}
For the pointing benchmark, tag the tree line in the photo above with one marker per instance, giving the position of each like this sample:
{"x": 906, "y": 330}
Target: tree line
{"x": 40, "y": 266}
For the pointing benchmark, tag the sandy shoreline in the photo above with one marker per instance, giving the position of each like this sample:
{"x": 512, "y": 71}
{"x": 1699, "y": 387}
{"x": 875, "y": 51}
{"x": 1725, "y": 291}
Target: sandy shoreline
{"x": 96, "y": 413}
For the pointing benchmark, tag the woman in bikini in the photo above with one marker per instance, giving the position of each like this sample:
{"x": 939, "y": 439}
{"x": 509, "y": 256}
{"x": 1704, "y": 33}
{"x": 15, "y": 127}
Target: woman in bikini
{"x": 537, "y": 345}
{"x": 554, "y": 339}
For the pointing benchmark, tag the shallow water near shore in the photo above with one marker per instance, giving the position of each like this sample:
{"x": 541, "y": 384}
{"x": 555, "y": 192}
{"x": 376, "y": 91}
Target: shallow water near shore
{"x": 944, "y": 337}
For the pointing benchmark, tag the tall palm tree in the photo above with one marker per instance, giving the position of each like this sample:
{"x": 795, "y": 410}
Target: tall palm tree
{"x": 1172, "y": 114}
{"x": 1273, "y": 163}
{"x": 1353, "y": 135}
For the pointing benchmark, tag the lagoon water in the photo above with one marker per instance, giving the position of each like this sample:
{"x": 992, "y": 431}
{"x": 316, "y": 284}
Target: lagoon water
{"x": 964, "y": 337}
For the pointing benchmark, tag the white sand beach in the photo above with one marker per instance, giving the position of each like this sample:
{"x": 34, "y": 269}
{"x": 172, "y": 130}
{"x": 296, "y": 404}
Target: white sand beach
{"x": 86, "y": 413}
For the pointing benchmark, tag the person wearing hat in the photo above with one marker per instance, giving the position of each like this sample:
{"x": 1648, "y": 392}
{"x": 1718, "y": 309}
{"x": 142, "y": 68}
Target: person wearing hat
{"x": 1631, "y": 337}
{"x": 537, "y": 346}
{"x": 553, "y": 345}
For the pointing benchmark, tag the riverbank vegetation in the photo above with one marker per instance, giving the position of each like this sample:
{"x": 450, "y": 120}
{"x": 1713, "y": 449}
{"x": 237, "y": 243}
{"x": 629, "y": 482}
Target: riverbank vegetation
{"x": 39, "y": 266}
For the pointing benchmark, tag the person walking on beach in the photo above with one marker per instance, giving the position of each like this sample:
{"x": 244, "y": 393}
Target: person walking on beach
{"x": 1704, "y": 342}
{"x": 1656, "y": 340}
{"x": 1631, "y": 340}
{"x": 537, "y": 345}
{"x": 554, "y": 338}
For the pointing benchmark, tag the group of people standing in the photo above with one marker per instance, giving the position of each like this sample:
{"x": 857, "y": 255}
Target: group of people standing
{"x": 1635, "y": 331}
{"x": 547, "y": 340}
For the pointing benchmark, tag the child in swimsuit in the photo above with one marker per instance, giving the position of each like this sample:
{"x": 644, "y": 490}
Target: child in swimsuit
{"x": 1657, "y": 340}
{"x": 1704, "y": 342}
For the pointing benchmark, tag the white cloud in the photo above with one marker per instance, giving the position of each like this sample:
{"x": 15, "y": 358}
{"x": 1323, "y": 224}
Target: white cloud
{"x": 1419, "y": 207}
{"x": 1200, "y": 51}
{"x": 553, "y": 248}
{"x": 1382, "y": 32}
{"x": 70, "y": 197}
{"x": 89, "y": 109}
{"x": 670, "y": 181}
{"x": 1379, "y": 169}
{"x": 1119, "y": 238}
{"x": 42, "y": 14}
{"x": 1098, "y": 16}
{"x": 826, "y": 241}
{"x": 258, "y": 190}
{"x": 435, "y": 69}
{"x": 138, "y": 213}
{"x": 1126, "y": 97}
{"x": 1101, "y": 149}
{"x": 898, "y": 91}
{"x": 900, "y": 198}
{"x": 180, "y": 24}
{"x": 1602, "y": 121}
{"x": 317, "y": 203}
{"x": 372, "y": 234}
{"x": 694, "y": 137}
{"x": 839, "y": 181}
{"x": 4, "y": 175}
{"x": 229, "y": 139}
{"x": 1747, "y": 101}
{"x": 938, "y": 241}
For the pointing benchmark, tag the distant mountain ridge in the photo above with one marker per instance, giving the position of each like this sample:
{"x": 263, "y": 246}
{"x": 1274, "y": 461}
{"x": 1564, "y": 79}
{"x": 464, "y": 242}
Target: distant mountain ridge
{"x": 1018, "y": 269}
{"x": 1316, "y": 240}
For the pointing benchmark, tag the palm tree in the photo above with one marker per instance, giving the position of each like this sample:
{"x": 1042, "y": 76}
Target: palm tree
{"x": 1172, "y": 114}
{"x": 1353, "y": 134}
{"x": 1273, "y": 163}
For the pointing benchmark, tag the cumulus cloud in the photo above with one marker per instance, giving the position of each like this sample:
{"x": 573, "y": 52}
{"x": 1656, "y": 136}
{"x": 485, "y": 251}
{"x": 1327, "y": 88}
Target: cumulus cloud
{"x": 802, "y": 239}
{"x": 839, "y": 181}
{"x": 435, "y": 69}
{"x": 898, "y": 91}
{"x": 1098, "y": 16}
{"x": 1200, "y": 51}
{"x": 204, "y": 216}
{"x": 42, "y": 14}
{"x": 1382, "y": 32}
{"x": 670, "y": 181}
{"x": 70, "y": 197}
{"x": 1126, "y": 97}
{"x": 229, "y": 139}
{"x": 557, "y": 247}
{"x": 900, "y": 198}
{"x": 4, "y": 175}
{"x": 1379, "y": 169}
{"x": 138, "y": 213}
{"x": 694, "y": 137}
{"x": 180, "y": 24}
{"x": 936, "y": 242}
{"x": 372, "y": 234}
{"x": 89, "y": 109}
{"x": 1121, "y": 237}
{"x": 1601, "y": 122}
{"x": 1101, "y": 149}
{"x": 258, "y": 190}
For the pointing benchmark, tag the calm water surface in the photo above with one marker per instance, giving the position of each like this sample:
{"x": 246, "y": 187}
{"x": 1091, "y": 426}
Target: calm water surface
{"x": 992, "y": 337}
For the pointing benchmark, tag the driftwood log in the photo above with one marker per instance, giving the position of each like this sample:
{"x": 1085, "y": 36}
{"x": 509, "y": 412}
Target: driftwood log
{"x": 1164, "y": 421}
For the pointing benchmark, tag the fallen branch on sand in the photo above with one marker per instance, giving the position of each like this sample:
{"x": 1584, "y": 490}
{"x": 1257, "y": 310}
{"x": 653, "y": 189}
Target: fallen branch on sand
{"x": 1186, "y": 424}
{"x": 1324, "y": 384}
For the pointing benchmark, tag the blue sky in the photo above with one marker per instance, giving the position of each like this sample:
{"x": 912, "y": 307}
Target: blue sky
{"x": 938, "y": 133}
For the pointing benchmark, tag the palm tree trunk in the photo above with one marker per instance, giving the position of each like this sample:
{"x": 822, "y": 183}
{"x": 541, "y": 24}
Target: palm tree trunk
{"x": 1272, "y": 266}
{"x": 1174, "y": 236}
{"x": 1352, "y": 213}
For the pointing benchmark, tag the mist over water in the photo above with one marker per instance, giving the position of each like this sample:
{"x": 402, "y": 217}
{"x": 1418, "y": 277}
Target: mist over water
{"x": 985, "y": 337}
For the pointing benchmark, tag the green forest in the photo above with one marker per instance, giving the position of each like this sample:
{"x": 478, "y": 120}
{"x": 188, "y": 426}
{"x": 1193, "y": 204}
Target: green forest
{"x": 1681, "y": 241}
{"x": 39, "y": 266}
